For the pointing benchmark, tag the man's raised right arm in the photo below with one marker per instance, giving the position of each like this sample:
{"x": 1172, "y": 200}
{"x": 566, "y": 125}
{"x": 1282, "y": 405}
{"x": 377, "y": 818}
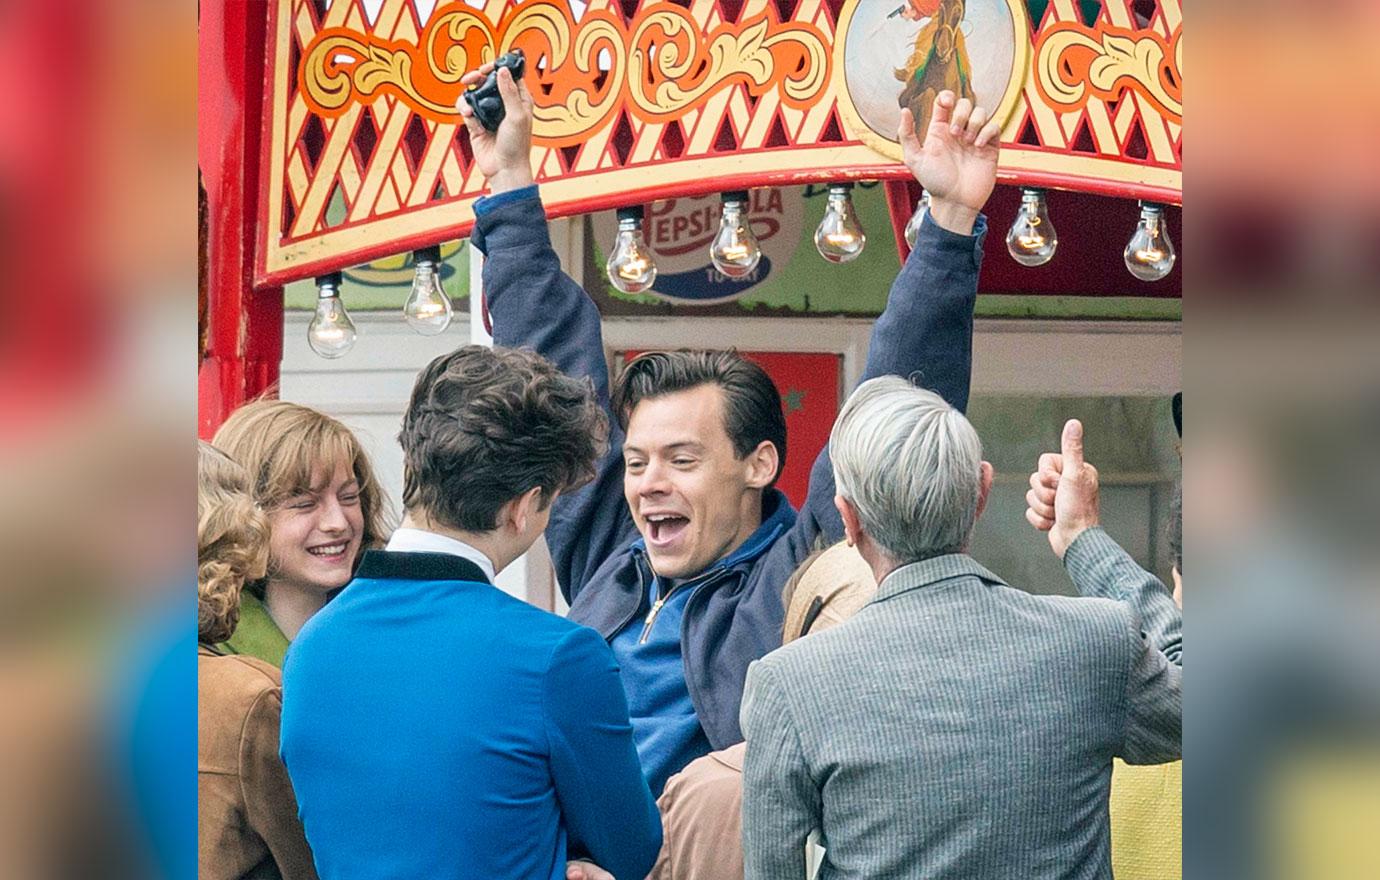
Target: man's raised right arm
{"x": 534, "y": 304}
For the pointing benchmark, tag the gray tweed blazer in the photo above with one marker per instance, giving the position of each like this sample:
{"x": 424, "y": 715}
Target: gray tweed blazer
{"x": 959, "y": 728}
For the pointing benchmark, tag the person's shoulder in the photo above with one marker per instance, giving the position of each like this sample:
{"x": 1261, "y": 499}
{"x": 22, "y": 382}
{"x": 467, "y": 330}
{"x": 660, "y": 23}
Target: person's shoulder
{"x": 576, "y": 664}
{"x": 252, "y": 671}
{"x": 570, "y": 637}
{"x": 541, "y": 632}
{"x": 235, "y": 679}
{"x": 1090, "y": 619}
{"x": 713, "y": 781}
{"x": 718, "y": 765}
{"x": 821, "y": 649}
{"x": 1057, "y": 604}
{"x": 538, "y": 621}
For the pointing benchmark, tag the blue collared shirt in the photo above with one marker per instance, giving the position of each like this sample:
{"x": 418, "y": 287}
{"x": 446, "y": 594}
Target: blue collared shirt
{"x": 667, "y": 730}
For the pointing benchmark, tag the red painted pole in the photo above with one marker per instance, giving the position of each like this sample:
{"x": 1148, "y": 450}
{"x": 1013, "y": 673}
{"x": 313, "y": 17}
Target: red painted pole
{"x": 244, "y": 326}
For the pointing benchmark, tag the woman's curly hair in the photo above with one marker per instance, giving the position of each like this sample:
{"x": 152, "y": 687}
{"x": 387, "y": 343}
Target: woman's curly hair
{"x": 231, "y": 542}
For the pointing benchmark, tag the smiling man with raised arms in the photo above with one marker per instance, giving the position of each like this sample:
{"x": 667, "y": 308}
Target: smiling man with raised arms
{"x": 677, "y": 551}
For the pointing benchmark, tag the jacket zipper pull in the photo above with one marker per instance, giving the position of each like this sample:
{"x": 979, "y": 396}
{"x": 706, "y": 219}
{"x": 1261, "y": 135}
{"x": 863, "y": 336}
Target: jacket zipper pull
{"x": 651, "y": 618}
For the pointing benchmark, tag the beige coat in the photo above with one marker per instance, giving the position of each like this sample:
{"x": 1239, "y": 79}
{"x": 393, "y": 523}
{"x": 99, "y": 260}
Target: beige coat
{"x": 701, "y": 820}
{"x": 247, "y": 825}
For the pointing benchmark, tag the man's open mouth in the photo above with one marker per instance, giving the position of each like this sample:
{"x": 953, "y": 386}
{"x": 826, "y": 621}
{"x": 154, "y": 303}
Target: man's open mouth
{"x": 663, "y": 528}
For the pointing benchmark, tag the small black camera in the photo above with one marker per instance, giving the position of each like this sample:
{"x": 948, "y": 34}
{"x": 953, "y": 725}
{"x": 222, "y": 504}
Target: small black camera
{"x": 485, "y": 99}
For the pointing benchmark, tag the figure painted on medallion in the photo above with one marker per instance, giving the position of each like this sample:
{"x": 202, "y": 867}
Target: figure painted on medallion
{"x": 939, "y": 60}
{"x": 899, "y": 54}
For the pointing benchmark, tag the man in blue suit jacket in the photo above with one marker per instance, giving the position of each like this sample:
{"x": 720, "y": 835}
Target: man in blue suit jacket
{"x": 434, "y": 726}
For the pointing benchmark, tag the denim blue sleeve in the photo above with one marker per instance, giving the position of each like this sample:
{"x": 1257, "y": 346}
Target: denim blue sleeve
{"x": 494, "y": 202}
{"x": 926, "y": 333}
{"x": 605, "y": 802}
{"x": 534, "y": 304}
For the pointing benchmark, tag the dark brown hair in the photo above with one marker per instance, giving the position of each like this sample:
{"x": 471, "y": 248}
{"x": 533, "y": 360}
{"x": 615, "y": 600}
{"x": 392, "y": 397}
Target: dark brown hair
{"x": 486, "y": 425}
{"x": 752, "y": 405}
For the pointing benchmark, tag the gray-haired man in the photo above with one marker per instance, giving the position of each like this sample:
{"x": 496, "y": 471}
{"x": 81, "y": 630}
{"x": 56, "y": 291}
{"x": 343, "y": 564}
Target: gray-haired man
{"x": 955, "y": 727}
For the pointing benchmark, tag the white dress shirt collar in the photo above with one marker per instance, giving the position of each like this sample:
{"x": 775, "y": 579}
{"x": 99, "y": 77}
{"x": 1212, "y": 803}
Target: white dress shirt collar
{"x": 418, "y": 541}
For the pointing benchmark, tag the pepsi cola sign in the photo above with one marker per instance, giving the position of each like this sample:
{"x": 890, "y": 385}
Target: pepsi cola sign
{"x": 679, "y": 232}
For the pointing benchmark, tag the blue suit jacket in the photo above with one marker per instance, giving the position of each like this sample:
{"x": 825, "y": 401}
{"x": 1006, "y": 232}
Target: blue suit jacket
{"x": 434, "y": 726}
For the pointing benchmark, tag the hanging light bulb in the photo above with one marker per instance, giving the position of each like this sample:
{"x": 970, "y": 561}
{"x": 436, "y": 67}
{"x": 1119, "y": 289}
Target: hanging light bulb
{"x": 840, "y": 237}
{"x": 630, "y": 266}
{"x": 735, "y": 251}
{"x": 428, "y": 309}
{"x": 331, "y": 332}
{"x": 1032, "y": 238}
{"x": 1150, "y": 254}
{"x": 913, "y": 224}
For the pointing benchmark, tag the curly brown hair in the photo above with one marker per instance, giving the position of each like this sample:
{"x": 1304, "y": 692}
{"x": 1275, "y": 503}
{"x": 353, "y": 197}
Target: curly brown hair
{"x": 231, "y": 542}
{"x": 486, "y": 425}
{"x": 283, "y": 445}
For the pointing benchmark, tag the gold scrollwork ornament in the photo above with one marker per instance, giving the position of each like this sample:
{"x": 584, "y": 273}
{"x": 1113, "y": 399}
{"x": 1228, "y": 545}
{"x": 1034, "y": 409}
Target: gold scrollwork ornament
{"x": 580, "y": 113}
{"x": 1117, "y": 57}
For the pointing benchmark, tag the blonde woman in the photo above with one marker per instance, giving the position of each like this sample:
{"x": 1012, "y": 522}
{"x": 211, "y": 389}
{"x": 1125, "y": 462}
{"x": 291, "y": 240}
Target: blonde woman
{"x": 247, "y": 823}
{"x": 311, "y": 476}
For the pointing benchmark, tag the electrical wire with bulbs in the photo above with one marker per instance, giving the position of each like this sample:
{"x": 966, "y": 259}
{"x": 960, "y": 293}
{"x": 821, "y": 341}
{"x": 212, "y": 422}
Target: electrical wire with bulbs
{"x": 735, "y": 253}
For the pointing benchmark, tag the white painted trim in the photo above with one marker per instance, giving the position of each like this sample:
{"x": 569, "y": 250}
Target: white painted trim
{"x": 1077, "y": 358}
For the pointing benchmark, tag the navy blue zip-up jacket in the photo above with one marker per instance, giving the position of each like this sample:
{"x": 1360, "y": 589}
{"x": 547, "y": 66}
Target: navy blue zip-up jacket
{"x": 736, "y": 616}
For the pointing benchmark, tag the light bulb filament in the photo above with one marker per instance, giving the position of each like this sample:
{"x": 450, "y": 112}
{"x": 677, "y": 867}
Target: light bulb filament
{"x": 734, "y": 251}
{"x": 839, "y": 237}
{"x": 632, "y": 268}
{"x": 1032, "y": 239}
{"x": 428, "y": 310}
{"x": 1149, "y": 255}
{"x": 331, "y": 332}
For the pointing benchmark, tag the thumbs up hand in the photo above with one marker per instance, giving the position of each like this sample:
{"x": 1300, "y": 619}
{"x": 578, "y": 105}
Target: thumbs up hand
{"x": 1063, "y": 496}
